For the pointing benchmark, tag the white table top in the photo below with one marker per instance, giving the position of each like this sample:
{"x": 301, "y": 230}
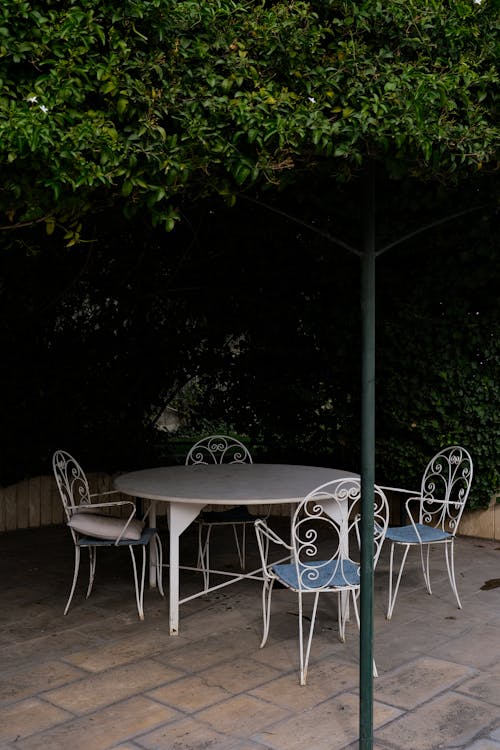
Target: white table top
{"x": 235, "y": 484}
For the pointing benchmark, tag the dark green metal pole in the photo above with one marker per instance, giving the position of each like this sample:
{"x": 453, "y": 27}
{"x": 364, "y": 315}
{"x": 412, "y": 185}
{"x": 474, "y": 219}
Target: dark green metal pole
{"x": 367, "y": 465}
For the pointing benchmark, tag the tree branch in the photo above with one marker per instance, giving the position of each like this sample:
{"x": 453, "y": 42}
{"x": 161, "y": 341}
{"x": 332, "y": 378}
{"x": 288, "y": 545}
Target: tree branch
{"x": 426, "y": 227}
{"x": 22, "y": 224}
{"x": 326, "y": 235}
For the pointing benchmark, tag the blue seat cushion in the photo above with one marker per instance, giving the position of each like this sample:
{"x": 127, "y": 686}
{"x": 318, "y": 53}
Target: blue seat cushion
{"x": 89, "y": 541}
{"x": 407, "y": 535}
{"x": 317, "y": 575}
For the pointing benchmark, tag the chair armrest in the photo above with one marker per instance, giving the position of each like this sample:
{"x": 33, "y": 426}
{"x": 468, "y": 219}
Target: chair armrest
{"x": 261, "y": 528}
{"x": 117, "y": 492}
{"x": 91, "y": 506}
{"x": 414, "y": 496}
{"x": 410, "y": 516}
{"x": 265, "y": 535}
{"x": 415, "y": 493}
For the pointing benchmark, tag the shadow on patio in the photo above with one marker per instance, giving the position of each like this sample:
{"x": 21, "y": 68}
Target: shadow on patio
{"x": 99, "y": 678}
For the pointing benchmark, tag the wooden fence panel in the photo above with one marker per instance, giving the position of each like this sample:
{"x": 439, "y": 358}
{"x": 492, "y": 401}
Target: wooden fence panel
{"x": 10, "y": 504}
{"x": 34, "y": 502}
{"x": 46, "y": 484}
{"x": 54, "y": 501}
{"x": 23, "y": 504}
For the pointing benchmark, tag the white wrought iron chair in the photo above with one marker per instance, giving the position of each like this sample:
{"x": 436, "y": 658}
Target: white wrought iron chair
{"x": 93, "y": 529}
{"x": 220, "y": 449}
{"x": 324, "y": 555}
{"x": 434, "y": 513}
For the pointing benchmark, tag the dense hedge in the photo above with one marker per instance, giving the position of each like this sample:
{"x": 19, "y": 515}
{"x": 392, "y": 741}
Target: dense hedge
{"x": 439, "y": 359}
{"x": 260, "y": 317}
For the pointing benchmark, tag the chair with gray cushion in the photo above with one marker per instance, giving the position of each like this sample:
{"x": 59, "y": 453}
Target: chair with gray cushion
{"x": 434, "y": 513}
{"x": 221, "y": 449}
{"x": 92, "y": 527}
{"x": 323, "y": 556}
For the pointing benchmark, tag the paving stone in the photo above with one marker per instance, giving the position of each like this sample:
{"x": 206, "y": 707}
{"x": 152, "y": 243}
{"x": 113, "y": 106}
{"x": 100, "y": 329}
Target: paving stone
{"x": 376, "y": 746}
{"x": 219, "y": 647}
{"x": 242, "y": 715}
{"x": 495, "y": 734}
{"x": 452, "y": 720}
{"x": 27, "y": 717}
{"x": 104, "y": 688}
{"x": 190, "y": 694}
{"x": 102, "y": 730}
{"x": 329, "y": 726}
{"x": 323, "y": 681}
{"x": 238, "y": 674}
{"x": 22, "y": 683}
{"x": 186, "y": 734}
{"x": 400, "y": 643}
{"x": 105, "y": 656}
{"x": 217, "y": 617}
{"x": 37, "y": 650}
{"x": 466, "y": 647}
{"x": 494, "y": 667}
{"x": 417, "y": 682}
{"x": 282, "y": 654}
{"x": 486, "y": 686}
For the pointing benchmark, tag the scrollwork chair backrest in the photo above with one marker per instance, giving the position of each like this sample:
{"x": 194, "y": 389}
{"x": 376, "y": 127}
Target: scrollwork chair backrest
{"x": 219, "y": 449}
{"x": 326, "y": 533}
{"x": 445, "y": 487}
{"x": 71, "y": 482}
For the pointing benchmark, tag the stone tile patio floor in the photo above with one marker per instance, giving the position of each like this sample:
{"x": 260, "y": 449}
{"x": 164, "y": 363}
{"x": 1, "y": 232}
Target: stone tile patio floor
{"x": 99, "y": 678}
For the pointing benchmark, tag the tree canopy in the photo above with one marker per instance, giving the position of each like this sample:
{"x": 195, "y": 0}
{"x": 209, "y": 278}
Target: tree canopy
{"x": 139, "y": 104}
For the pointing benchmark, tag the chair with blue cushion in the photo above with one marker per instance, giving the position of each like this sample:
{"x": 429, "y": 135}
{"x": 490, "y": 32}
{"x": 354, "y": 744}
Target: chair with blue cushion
{"x": 221, "y": 449}
{"x": 323, "y": 555}
{"x": 434, "y": 514}
{"x": 93, "y": 529}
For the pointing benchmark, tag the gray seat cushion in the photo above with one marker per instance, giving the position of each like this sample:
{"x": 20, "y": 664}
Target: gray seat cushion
{"x": 105, "y": 527}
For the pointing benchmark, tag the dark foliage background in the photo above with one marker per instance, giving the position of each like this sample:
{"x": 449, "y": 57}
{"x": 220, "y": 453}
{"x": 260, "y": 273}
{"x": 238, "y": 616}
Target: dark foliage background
{"x": 251, "y": 313}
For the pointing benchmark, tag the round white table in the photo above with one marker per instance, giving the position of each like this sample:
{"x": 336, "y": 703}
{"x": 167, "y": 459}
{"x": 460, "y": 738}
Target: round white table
{"x": 188, "y": 489}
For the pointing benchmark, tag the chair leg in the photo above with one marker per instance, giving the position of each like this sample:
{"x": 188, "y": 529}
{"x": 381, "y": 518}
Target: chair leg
{"x": 267, "y": 590}
{"x": 75, "y": 578}
{"x": 139, "y": 591}
{"x": 343, "y": 610}
{"x": 425, "y": 567}
{"x": 199, "y": 561}
{"x": 204, "y": 554}
{"x": 92, "y": 565}
{"x": 159, "y": 564}
{"x": 355, "y": 595}
{"x": 304, "y": 657}
{"x": 450, "y": 564}
{"x": 206, "y": 559}
{"x": 240, "y": 548}
{"x": 393, "y": 594}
